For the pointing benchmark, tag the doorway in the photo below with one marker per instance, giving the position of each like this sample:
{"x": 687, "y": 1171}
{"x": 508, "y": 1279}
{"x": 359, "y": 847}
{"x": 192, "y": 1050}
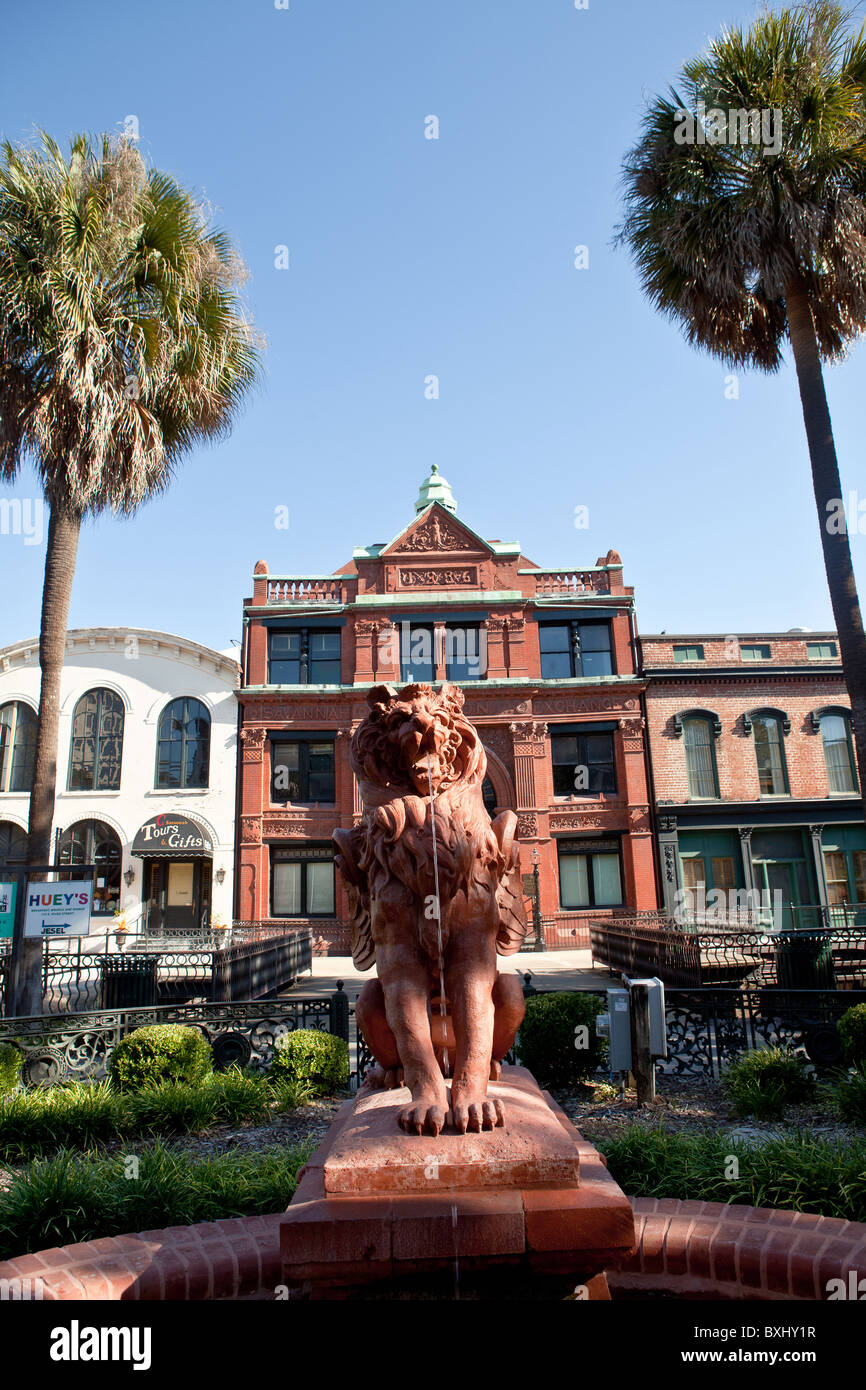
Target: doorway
{"x": 178, "y": 895}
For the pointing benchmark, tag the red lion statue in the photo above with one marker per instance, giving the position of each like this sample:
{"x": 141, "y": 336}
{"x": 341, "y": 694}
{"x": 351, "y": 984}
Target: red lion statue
{"x": 420, "y": 765}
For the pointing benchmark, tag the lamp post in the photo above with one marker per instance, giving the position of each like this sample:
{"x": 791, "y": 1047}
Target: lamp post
{"x": 536, "y": 905}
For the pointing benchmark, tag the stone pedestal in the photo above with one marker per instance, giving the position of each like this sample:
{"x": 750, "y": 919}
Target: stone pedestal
{"x": 521, "y": 1212}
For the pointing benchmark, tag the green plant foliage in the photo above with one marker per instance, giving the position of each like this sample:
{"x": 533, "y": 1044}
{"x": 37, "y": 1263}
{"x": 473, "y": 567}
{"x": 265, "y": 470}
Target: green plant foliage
{"x": 762, "y": 1082}
{"x": 849, "y": 1095}
{"x": 79, "y": 1114}
{"x": 852, "y": 1031}
{"x": 160, "y": 1052}
{"x": 794, "y": 1173}
{"x": 549, "y": 1033}
{"x": 11, "y": 1061}
{"x": 306, "y": 1055}
{"x": 68, "y": 1198}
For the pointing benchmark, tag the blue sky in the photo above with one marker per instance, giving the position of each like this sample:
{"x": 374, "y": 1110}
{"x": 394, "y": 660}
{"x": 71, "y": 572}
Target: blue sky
{"x": 559, "y": 388}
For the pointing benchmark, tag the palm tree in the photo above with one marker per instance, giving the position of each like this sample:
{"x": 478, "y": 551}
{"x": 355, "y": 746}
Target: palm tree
{"x": 747, "y": 242}
{"x": 123, "y": 343}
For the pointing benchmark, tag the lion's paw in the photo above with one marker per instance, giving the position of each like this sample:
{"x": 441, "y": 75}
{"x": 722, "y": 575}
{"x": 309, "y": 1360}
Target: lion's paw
{"x": 423, "y": 1116}
{"x": 474, "y": 1115}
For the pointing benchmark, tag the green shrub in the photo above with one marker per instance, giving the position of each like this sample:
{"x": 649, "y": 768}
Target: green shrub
{"x": 849, "y": 1095}
{"x": 764, "y": 1081}
{"x": 307, "y": 1055}
{"x": 795, "y": 1173}
{"x": 11, "y": 1062}
{"x": 852, "y": 1031}
{"x": 160, "y": 1052}
{"x": 548, "y": 1038}
{"x": 236, "y": 1096}
{"x": 66, "y": 1199}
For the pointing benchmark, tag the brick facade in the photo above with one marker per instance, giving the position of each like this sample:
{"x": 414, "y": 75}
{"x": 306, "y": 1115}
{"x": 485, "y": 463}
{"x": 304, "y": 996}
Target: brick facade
{"x": 801, "y": 830}
{"x": 440, "y": 577}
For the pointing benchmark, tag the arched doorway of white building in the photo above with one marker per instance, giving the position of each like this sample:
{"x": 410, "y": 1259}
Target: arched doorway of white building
{"x": 177, "y": 855}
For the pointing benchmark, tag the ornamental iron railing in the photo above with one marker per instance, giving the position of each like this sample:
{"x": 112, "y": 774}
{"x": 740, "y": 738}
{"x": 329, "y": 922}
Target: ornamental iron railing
{"x": 824, "y": 958}
{"x": 77, "y": 1047}
{"x": 261, "y": 964}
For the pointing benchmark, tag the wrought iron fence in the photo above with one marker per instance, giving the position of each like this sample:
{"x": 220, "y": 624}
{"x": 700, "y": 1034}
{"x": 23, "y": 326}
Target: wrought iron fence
{"x": 708, "y": 1028}
{"x": 261, "y": 963}
{"x": 77, "y": 1047}
{"x": 824, "y": 958}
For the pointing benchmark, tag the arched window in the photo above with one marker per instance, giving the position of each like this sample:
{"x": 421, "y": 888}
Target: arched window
{"x": 17, "y": 747}
{"x": 97, "y": 743}
{"x": 835, "y": 726}
{"x": 13, "y": 844}
{"x": 488, "y": 794}
{"x": 94, "y": 842}
{"x": 701, "y": 770}
{"x": 767, "y": 728}
{"x": 183, "y": 745}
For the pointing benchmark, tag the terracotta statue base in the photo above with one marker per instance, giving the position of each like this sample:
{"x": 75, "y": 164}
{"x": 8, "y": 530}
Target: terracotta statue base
{"x": 384, "y": 1214}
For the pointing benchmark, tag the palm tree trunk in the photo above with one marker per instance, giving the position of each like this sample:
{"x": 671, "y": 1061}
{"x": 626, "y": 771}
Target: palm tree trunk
{"x": 60, "y": 558}
{"x": 828, "y": 497}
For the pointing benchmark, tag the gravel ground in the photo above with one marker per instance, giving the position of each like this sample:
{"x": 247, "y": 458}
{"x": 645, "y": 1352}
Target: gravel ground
{"x": 693, "y": 1108}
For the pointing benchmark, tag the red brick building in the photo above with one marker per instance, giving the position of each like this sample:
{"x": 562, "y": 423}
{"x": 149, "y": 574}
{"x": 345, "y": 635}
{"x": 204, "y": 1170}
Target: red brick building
{"x": 546, "y": 659}
{"x": 753, "y": 765}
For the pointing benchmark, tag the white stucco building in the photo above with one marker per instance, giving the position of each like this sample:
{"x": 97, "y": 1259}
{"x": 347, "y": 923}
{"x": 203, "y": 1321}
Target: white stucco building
{"x": 145, "y": 774}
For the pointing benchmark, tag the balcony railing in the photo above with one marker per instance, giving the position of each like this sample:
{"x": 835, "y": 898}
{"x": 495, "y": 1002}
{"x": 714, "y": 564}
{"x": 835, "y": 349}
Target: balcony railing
{"x": 309, "y": 588}
{"x": 565, "y": 582}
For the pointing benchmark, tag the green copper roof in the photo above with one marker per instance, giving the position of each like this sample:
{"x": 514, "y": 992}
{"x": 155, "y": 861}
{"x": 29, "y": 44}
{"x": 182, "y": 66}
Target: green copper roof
{"x": 435, "y": 489}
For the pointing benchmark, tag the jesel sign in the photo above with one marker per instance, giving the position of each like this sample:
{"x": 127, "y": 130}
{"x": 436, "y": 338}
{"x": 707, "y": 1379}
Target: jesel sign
{"x": 169, "y": 834}
{"x": 58, "y": 909}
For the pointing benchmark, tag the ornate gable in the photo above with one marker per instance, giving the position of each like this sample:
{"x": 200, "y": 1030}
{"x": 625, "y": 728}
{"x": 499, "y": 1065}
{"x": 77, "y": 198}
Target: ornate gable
{"x": 437, "y": 533}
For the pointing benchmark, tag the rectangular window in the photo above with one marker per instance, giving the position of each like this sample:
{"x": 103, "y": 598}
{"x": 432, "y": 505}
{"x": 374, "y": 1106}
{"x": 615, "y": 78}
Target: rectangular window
{"x": 302, "y": 770}
{"x": 755, "y": 651}
{"x": 464, "y": 660}
{"x": 770, "y": 756}
{"x": 302, "y": 882}
{"x": 688, "y": 653}
{"x": 304, "y": 657}
{"x": 575, "y": 649}
{"x": 700, "y": 759}
{"x": 583, "y": 764}
{"x": 417, "y": 658}
{"x": 589, "y": 874}
{"x": 836, "y": 872}
{"x": 460, "y": 646}
{"x": 821, "y": 651}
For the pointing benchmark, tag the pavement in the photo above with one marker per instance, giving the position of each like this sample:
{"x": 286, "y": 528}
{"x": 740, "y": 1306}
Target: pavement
{"x": 548, "y": 969}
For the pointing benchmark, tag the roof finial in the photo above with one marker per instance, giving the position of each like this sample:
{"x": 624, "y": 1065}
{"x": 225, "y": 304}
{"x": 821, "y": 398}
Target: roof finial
{"x": 435, "y": 488}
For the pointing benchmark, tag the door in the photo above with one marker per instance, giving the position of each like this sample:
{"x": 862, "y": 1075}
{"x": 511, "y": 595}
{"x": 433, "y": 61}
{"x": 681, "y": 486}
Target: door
{"x": 180, "y": 896}
{"x": 781, "y": 880}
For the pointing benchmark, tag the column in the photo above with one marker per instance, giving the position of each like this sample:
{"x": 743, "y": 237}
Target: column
{"x": 669, "y": 856}
{"x": 816, "y": 832}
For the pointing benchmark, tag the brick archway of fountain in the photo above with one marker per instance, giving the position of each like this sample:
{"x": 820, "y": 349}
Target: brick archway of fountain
{"x": 690, "y": 1249}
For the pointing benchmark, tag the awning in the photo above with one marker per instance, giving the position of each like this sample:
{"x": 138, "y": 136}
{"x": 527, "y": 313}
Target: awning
{"x": 170, "y": 836}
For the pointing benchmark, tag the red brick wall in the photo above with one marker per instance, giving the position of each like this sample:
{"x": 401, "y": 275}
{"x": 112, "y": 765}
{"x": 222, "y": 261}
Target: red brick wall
{"x": 735, "y": 750}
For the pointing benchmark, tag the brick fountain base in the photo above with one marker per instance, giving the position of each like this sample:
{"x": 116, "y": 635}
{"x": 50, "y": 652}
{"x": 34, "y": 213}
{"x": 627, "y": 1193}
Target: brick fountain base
{"x": 527, "y": 1206}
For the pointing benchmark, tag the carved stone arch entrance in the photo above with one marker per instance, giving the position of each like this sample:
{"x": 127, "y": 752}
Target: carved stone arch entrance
{"x": 501, "y": 781}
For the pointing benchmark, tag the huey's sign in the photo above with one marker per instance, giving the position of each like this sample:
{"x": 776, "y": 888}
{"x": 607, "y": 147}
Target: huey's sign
{"x": 58, "y": 909}
{"x": 171, "y": 834}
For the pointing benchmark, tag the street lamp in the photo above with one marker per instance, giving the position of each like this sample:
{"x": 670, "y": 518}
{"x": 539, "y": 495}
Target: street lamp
{"x": 536, "y": 905}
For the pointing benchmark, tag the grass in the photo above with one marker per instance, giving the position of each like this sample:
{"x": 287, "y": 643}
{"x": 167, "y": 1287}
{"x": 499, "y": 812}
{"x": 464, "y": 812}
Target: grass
{"x": 70, "y": 1197}
{"x": 797, "y": 1173}
{"x": 85, "y": 1114}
